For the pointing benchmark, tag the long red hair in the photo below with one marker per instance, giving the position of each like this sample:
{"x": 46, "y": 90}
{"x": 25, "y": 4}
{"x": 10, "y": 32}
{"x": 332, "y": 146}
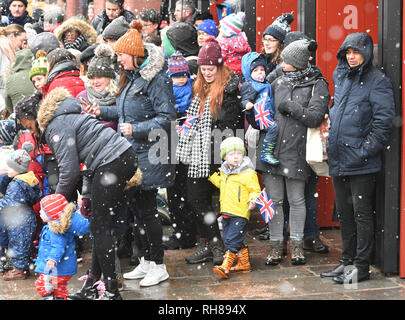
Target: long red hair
{"x": 215, "y": 90}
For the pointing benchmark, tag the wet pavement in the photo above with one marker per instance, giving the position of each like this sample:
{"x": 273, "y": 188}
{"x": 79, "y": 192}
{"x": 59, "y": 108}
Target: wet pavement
{"x": 198, "y": 282}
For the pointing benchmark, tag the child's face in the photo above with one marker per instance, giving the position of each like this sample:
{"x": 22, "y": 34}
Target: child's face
{"x": 201, "y": 37}
{"x": 43, "y": 216}
{"x": 180, "y": 81}
{"x": 38, "y": 81}
{"x": 258, "y": 74}
{"x": 11, "y": 172}
{"x": 234, "y": 158}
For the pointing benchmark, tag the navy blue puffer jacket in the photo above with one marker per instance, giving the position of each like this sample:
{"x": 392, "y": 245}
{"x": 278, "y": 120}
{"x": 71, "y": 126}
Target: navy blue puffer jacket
{"x": 362, "y": 112}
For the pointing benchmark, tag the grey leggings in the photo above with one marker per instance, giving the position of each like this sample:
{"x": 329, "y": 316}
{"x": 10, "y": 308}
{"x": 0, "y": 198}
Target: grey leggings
{"x": 296, "y": 197}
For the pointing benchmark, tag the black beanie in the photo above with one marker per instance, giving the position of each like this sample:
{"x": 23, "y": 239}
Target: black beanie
{"x": 23, "y": 1}
{"x": 116, "y": 29}
{"x": 88, "y": 53}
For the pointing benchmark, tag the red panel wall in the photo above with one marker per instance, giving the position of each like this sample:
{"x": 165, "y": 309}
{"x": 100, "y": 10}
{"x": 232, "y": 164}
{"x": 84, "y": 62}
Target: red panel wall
{"x": 335, "y": 20}
{"x": 267, "y": 11}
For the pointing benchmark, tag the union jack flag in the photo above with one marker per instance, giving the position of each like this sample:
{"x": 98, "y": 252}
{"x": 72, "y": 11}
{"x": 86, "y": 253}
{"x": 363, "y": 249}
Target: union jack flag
{"x": 265, "y": 205}
{"x": 187, "y": 124}
{"x": 262, "y": 115}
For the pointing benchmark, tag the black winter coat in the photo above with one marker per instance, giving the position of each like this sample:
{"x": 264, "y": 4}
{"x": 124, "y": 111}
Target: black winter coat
{"x": 298, "y": 106}
{"x": 362, "y": 112}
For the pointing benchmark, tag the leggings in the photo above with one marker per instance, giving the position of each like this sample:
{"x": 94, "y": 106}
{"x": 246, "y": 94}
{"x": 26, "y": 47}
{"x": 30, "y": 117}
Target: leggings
{"x": 107, "y": 195}
{"x": 59, "y": 286}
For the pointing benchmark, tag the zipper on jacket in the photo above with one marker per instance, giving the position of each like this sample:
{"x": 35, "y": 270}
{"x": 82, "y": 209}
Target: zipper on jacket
{"x": 238, "y": 193}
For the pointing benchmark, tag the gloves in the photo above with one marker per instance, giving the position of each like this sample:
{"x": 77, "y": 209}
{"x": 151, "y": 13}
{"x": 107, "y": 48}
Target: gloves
{"x": 85, "y": 209}
{"x": 283, "y": 108}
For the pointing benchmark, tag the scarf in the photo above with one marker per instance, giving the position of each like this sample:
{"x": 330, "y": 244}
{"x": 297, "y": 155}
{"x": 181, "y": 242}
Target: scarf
{"x": 193, "y": 147}
{"x": 20, "y": 20}
{"x": 105, "y": 98}
{"x": 298, "y": 75}
{"x": 76, "y": 44}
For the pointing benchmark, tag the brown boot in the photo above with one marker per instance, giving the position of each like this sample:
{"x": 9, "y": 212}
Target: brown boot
{"x": 243, "y": 263}
{"x": 224, "y": 269}
{"x": 16, "y": 274}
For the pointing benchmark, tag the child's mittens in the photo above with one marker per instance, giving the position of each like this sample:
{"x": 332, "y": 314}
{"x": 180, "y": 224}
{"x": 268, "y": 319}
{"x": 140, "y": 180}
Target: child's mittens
{"x": 47, "y": 283}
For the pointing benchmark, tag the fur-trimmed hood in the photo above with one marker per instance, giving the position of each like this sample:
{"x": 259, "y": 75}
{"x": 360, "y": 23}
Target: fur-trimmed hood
{"x": 80, "y": 25}
{"x": 155, "y": 63}
{"x": 49, "y": 106}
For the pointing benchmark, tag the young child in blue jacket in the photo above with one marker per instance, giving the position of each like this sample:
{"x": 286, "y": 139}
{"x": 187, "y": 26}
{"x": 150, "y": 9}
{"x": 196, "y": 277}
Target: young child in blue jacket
{"x": 18, "y": 222}
{"x": 254, "y": 90}
{"x": 56, "y": 262}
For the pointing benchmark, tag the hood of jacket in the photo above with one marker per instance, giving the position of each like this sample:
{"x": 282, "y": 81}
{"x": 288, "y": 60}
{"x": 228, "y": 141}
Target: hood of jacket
{"x": 246, "y": 164}
{"x": 183, "y": 38}
{"x": 80, "y": 25}
{"x": 23, "y": 60}
{"x": 60, "y": 67}
{"x": 155, "y": 62}
{"x": 247, "y": 61}
{"x": 361, "y": 42}
{"x": 60, "y": 101}
{"x": 28, "y": 177}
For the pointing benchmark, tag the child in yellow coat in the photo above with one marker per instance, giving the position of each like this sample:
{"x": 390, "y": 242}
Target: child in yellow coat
{"x": 239, "y": 187}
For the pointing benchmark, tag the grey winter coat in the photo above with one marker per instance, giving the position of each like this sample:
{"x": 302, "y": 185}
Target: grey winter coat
{"x": 76, "y": 138}
{"x": 362, "y": 112}
{"x": 147, "y": 102}
{"x": 298, "y": 106}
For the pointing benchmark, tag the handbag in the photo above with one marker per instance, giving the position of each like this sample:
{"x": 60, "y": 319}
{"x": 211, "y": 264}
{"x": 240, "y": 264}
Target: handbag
{"x": 316, "y": 155}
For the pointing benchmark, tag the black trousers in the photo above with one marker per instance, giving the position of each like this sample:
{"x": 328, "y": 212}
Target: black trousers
{"x": 107, "y": 190}
{"x": 180, "y": 210}
{"x": 354, "y": 198}
{"x": 199, "y": 196}
{"x": 143, "y": 205}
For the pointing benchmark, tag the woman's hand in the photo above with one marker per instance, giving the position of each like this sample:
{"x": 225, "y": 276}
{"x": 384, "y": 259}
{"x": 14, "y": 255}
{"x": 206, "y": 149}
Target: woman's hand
{"x": 126, "y": 129}
{"x": 93, "y": 109}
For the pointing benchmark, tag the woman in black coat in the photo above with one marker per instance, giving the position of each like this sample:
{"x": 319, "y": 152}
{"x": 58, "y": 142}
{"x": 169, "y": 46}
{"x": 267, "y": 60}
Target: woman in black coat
{"x": 77, "y": 138}
{"x": 216, "y": 104}
{"x": 301, "y": 99}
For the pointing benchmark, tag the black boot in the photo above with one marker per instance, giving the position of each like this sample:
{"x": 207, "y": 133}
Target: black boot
{"x": 217, "y": 249}
{"x": 87, "y": 292}
{"x": 111, "y": 290}
{"x": 337, "y": 271}
{"x": 352, "y": 275}
{"x": 201, "y": 254}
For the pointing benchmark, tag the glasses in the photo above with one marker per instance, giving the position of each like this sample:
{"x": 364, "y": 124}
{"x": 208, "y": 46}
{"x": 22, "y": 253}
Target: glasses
{"x": 269, "y": 40}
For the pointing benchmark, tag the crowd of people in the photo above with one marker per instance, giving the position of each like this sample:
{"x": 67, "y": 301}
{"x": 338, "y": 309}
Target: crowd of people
{"x": 89, "y": 111}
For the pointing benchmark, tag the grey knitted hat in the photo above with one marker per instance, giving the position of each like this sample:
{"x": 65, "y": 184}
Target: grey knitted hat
{"x": 54, "y": 15}
{"x": 20, "y": 159}
{"x": 297, "y": 53}
{"x": 43, "y": 41}
{"x": 116, "y": 29}
{"x": 101, "y": 65}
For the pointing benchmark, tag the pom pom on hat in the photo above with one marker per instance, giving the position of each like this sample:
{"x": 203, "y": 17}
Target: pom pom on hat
{"x": 39, "y": 65}
{"x": 280, "y": 27}
{"x": 210, "y": 53}
{"x": 53, "y": 205}
{"x": 232, "y": 144}
{"x": 131, "y": 42}
{"x": 20, "y": 159}
{"x": 101, "y": 65}
{"x": 178, "y": 66}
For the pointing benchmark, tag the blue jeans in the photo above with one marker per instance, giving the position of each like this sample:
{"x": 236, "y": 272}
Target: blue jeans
{"x": 234, "y": 233}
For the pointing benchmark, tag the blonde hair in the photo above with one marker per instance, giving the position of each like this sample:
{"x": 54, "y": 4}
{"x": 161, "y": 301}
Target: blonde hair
{"x": 15, "y": 29}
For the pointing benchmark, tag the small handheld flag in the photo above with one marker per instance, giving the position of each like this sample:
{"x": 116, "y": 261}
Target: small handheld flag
{"x": 265, "y": 205}
{"x": 187, "y": 124}
{"x": 262, "y": 116}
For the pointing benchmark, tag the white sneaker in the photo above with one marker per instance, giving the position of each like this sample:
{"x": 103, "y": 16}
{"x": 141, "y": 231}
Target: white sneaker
{"x": 139, "y": 272}
{"x": 155, "y": 275}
